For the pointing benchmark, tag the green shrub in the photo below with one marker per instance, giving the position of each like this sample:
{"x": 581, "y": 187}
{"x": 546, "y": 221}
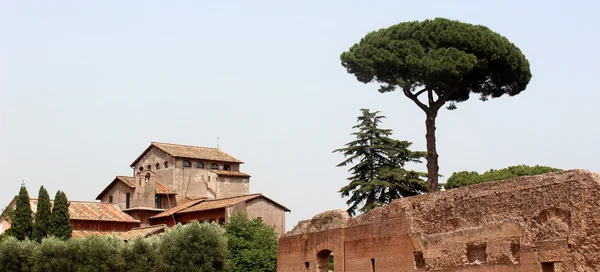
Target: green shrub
{"x": 193, "y": 247}
{"x": 465, "y": 178}
{"x": 252, "y": 245}
{"x": 140, "y": 254}
{"x": 16, "y": 255}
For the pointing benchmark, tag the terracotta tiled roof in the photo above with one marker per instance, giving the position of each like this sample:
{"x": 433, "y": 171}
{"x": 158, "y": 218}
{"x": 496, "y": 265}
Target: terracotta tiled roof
{"x": 87, "y": 233}
{"x": 226, "y": 202}
{"x": 191, "y": 152}
{"x": 93, "y": 211}
{"x": 141, "y": 232}
{"x": 163, "y": 190}
{"x": 179, "y": 208}
{"x": 231, "y": 173}
{"x": 129, "y": 181}
{"x": 125, "y": 235}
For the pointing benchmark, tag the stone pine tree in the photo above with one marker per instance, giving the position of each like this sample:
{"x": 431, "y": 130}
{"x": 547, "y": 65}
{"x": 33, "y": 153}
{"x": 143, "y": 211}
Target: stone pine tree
{"x": 22, "y": 223}
{"x": 41, "y": 223}
{"x": 378, "y": 175}
{"x": 60, "y": 221}
{"x": 438, "y": 62}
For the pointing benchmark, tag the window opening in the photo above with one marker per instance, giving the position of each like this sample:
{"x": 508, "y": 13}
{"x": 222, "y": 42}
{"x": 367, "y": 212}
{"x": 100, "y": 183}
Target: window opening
{"x": 110, "y": 199}
{"x": 157, "y": 166}
{"x": 147, "y": 178}
{"x": 141, "y": 168}
{"x": 199, "y": 165}
{"x": 127, "y": 200}
{"x": 372, "y": 265}
{"x": 158, "y": 201}
{"x": 166, "y": 164}
{"x": 187, "y": 164}
{"x": 226, "y": 167}
{"x": 214, "y": 166}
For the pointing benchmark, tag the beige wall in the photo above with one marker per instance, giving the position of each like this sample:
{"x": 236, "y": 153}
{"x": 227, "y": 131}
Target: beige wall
{"x": 143, "y": 195}
{"x": 163, "y": 175}
{"x": 118, "y": 192}
{"x": 271, "y": 214}
{"x": 4, "y": 225}
{"x": 232, "y": 186}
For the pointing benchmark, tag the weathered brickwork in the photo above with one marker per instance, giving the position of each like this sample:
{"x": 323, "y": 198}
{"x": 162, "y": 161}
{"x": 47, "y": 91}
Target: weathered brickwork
{"x": 543, "y": 223}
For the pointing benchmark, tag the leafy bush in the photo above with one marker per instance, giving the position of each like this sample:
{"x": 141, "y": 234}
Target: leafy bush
{"x": 465, "y": 178}
{"x": 193, "y": 247}
{"x": 140, "y": 254}
{"x": 16, "y": 255}
{"x": 252, "y": 245}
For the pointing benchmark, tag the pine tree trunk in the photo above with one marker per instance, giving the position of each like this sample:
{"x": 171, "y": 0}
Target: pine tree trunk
{"x": 432, "y": 155}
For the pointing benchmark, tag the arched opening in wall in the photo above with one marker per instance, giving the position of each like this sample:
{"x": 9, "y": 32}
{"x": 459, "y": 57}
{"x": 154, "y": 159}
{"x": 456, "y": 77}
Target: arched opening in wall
{"x": 187, "y": 164}
{"x": 325, "y": 261}
{"x": 226, "y": 167}
{"x": 157, "y": 166}
{"x": 199, "y": 165}
{"x": 214, "y": 166}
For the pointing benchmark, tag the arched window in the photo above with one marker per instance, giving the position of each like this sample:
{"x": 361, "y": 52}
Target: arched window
{"x": 226, "y": 167}
{"x": 157, "y": 166}
{"x": 187, "y": 164}
{"x": 199, "y": 165}
{"x": 214, "y": 166}
{"x": 166, "y": 164}
{"x": 141, "y": 168}
{"x": 148, "y": 167}
{"x": 147, "y": 178}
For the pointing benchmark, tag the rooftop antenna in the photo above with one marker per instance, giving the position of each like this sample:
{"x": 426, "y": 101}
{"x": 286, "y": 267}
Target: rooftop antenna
{"x": 23, "y": 183}
{"x": 217, "y": 142}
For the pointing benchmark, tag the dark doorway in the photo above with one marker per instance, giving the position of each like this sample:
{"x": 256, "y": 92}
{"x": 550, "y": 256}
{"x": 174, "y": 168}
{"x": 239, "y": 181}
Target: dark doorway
{"x": 324, "y": 258}
{"x": 127, "y": 199}
{"x": 548, "y": 267}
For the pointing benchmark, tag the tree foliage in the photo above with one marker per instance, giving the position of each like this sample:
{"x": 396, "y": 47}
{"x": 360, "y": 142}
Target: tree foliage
{"x": 378, "y": 175}
{"x": 140, "y": 254}
{"x": 466, "y": 178}
{"x": 22, "y": 225}
{"x": 442, "y": 60}
{"x": 252, "y": 245}
{"x": 193, "y": 247}
{"x": 41, "y": 223}
{"x": 60, "y": 221}
{"x": 16, "y": 255}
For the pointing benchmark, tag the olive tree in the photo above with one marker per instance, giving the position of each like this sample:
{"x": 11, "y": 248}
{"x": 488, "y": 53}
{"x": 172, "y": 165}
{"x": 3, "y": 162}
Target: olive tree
{"x": 438, "y": 62}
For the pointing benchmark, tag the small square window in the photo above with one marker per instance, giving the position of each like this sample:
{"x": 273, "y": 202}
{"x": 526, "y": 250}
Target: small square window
{"x": 110, "y": 199}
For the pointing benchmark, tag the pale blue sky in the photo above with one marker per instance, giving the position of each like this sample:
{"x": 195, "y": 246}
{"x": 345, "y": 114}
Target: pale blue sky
{"x": 85, "y": 86}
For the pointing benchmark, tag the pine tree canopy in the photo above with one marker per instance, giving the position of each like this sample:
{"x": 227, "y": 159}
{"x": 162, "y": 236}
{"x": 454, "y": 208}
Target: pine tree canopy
{"x": 22, "y": 224}
{"x": 378, "y": 175}
{"x": 438, "y": 61}
{"x": 41, "y": 223}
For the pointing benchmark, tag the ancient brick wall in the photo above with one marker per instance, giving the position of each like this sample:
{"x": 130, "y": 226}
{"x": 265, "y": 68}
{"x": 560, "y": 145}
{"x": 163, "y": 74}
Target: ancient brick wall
{"x": 542, "y": 223}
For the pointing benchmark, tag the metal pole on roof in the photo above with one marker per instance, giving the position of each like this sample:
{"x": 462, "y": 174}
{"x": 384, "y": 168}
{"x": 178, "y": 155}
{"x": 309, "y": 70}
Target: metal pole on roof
{"x": 217, "y": 142}
{"x": 23, "y": 183}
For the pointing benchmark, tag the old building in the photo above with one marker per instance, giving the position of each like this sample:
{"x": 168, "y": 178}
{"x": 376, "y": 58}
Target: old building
{"x": 90, "y": 217}
{"x": 542, "y": 223}
{"x": 174, "y": 184}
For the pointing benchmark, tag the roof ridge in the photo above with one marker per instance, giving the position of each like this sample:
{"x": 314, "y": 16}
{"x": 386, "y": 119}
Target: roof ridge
{"x": 186, "y": 145}
{"x": 224, "y": 198}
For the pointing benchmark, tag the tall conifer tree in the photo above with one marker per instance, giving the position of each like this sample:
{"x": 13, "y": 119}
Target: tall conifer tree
{"x": 378, "y": 176}
{"x": 22, "y": 224}
{"x": 41, "y": 224}
{"x": 60, "y": 219}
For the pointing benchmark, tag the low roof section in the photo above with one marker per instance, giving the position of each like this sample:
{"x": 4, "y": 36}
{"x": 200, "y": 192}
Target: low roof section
{"x": 140, "y": 232}
{"x": 130, "y": 182}
{"x": 93, "y": 211}
{"x": 190, "y": 152}
{"x": 212, "y": 204}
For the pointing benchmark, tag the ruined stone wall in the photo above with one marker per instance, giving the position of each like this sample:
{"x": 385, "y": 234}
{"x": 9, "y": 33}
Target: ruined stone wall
{"x": 522, "y": 224}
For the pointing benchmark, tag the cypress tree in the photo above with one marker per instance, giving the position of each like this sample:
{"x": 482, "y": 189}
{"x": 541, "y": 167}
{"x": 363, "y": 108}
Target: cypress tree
{"x": 60, "y": 220}
{"x": 41, "y": 224}
{"x": 22, "y": 225}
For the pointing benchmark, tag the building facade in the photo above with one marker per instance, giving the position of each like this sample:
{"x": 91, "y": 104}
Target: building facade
{"x": 172, "y": 184}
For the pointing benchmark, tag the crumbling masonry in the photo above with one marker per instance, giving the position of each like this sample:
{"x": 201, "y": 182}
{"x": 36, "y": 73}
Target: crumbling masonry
{"x": 542, "y": 223}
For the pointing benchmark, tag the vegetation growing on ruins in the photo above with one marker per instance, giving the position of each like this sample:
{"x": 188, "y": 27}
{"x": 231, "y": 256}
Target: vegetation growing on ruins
{"x": 444, "y": 61}
{"x": 466, "y": 178}
{"x": 378, "y": 175}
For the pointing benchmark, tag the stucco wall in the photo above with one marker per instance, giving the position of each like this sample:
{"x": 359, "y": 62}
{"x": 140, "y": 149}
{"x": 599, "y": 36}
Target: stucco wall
{"x": 118, "y": 192}
{"x": 152, "y": 157}
{"x": 232, "y": 186}
{"x": 271, "y": 214}
{"x": 512, "y": 225}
